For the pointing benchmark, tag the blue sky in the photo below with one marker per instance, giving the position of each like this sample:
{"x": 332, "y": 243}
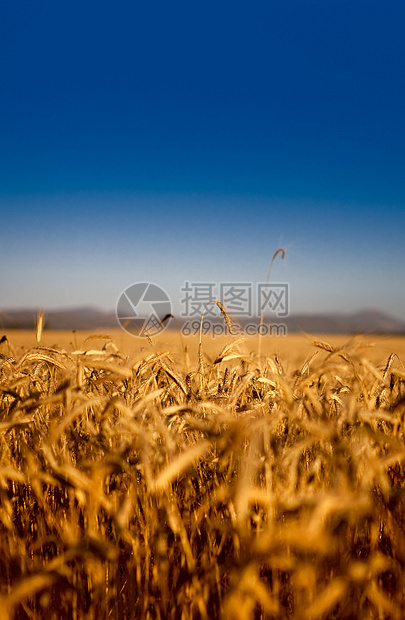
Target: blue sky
{"x": 167, "y": 142}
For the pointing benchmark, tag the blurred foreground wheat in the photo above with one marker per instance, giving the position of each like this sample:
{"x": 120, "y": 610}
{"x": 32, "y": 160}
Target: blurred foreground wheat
{"x": 133, "y": 488}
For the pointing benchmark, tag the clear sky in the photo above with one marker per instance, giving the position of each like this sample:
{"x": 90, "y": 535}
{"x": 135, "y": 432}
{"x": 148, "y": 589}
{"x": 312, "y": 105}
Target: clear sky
{"x": 173, "y": 141}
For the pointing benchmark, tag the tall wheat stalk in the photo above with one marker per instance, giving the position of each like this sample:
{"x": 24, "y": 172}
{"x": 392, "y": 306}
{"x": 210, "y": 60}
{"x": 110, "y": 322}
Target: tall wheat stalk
{"x": 276, "y": 253}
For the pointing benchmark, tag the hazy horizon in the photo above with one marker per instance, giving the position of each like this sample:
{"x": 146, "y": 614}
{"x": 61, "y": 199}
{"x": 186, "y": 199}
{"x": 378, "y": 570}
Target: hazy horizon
{"x": 268, "y": 315}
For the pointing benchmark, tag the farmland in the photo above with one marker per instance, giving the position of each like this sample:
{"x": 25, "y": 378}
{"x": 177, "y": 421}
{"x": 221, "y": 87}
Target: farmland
{"x": 162, "y": 480}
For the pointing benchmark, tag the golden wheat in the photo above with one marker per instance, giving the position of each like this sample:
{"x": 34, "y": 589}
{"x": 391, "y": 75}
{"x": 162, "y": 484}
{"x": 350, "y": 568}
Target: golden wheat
{"x": 137, "y": 486}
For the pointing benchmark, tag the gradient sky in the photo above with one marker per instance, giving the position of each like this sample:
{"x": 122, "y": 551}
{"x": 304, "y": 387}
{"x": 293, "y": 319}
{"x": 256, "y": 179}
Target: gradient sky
{"x": 180, "y": 141}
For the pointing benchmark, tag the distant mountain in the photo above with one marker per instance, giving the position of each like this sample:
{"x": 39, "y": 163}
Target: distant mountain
{"x": 366, "y": 321}
{"x": 363, "y": 322}
{"x": 77, "y": 318}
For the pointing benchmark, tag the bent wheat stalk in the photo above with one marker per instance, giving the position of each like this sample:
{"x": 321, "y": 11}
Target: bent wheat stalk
{"x": 276, "y": 253}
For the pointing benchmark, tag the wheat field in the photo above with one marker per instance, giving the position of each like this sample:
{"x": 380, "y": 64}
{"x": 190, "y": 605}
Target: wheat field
{"x": 154, "y": 480}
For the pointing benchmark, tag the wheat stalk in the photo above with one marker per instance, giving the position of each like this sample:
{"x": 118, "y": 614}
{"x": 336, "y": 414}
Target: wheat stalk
{"x": 278, "y": 252}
